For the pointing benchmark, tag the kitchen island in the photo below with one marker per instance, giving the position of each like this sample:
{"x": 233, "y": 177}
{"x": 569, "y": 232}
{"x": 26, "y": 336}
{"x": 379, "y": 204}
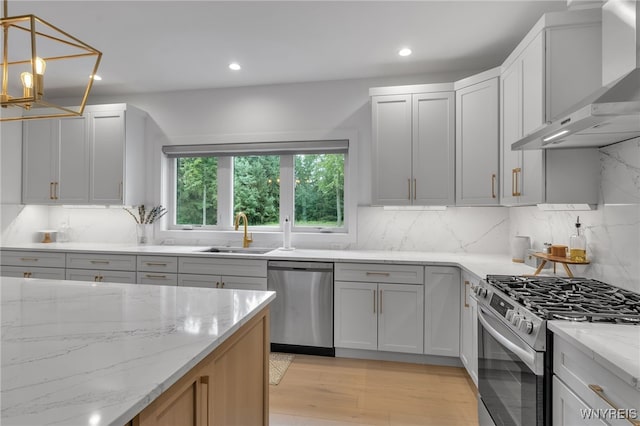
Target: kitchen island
{"x": 110, "y": 354}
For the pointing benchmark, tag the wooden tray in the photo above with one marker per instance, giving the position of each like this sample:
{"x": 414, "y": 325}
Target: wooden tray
{"x": 557, "y": 259}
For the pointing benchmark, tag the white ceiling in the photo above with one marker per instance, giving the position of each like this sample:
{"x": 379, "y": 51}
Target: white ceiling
{"x": 152, "y": 46}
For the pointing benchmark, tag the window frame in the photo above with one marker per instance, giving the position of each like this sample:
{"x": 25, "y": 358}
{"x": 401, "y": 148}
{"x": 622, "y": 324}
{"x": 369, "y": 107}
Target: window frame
{"x": 268, "y": 235}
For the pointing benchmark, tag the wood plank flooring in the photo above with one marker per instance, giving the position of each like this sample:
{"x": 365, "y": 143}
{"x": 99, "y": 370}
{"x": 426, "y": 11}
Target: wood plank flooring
{"x": 318, "y": 391}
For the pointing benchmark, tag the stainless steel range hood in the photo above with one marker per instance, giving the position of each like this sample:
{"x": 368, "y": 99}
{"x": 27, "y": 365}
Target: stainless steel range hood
{"x": 611, "y": 114}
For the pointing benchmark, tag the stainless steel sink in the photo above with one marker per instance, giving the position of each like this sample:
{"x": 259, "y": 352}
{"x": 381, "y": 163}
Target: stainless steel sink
{"x": 238, "y": 250}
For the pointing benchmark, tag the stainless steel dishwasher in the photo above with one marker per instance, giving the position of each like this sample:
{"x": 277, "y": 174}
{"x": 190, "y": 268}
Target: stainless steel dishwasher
{"x": 302, "y": 313}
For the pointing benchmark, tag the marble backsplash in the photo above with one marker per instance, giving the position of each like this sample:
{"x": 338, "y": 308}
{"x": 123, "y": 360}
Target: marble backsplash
{"x": 454, "y": 230}
{"x": 612, "y": 232}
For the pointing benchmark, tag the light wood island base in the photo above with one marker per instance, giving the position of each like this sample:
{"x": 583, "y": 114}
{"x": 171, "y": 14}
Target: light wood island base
{"x": 229, "y": 387}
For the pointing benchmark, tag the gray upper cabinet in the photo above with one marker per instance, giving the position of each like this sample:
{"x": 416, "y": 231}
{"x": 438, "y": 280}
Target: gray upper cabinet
{"x": 556, "y": 65}
{"x": 413, "y": 145}
{"x": 97, "y": 158}
{"x": 477, "y": 140}
{"x": 55, "y": 159}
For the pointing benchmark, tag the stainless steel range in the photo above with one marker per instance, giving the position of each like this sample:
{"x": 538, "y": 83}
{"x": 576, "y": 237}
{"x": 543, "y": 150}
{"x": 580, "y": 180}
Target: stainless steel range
{"x": 514, "y": 347}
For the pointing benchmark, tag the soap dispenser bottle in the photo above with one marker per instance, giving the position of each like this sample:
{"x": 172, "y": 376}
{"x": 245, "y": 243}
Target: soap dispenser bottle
{"x": 578, "y": 245}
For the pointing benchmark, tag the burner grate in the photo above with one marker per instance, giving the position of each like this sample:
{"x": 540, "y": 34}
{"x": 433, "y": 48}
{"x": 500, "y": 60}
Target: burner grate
{"x": 574, "y": 299}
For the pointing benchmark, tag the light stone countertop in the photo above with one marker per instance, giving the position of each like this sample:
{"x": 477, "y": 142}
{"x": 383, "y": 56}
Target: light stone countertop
{"x": 614, "y": 346}
{"x": 80, "y": 353}
{"x": 477, "y": 264}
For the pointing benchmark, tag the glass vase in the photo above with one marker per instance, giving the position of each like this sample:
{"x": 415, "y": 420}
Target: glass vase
{"x": 144, "y": 232}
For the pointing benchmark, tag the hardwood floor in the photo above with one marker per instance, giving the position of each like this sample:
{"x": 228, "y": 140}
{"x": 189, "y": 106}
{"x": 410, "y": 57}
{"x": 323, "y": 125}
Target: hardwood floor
{"x": 340, "y": 391}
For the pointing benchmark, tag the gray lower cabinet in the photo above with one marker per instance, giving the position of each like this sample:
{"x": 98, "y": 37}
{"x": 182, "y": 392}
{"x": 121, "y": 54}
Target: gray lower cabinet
{"x": 157, "y": 270}
{"x": 25, "y": 264}
{"x": 100, "y": 267}
{"x": 442, "y": 311}
{"x": 243, "y": 274}
{"x": 379, "y": 307}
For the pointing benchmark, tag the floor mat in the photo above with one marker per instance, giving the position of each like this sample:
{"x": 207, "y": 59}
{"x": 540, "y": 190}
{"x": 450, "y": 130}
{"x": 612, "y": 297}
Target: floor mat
{"x": 278, "y": 364}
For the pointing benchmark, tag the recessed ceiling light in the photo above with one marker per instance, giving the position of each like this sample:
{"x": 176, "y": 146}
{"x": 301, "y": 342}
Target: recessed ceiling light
{"x": 96, "y": 77}
{"x": 404, "y": 52}
{"x": 235, "y": 66}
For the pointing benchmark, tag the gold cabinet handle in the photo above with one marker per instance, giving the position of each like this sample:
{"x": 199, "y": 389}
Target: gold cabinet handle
{"x": 155, "y": 277}
{"x": 217, "y": 284}
{"x": 96, "y": 278}
{"x": 380, "y": 310}
{"x": 155, "y": 263}
{"x": 493, "y": 185}
{"x": 513, "y": 182}
{"x": 28, "y": 259}
{"x": 26, "y": 274}
{"x": 384, "y": 274}
{"x": 600, "y": 392}
{"x": 517, "y": 171}
{"x": 374, "y": 301}
{"x": 409, "y": 189}
{"x": 222, "y": 285}
{"x": 51, "y": 190}
{"x": 105, "y": 262}
{"x": 55, "y": 190}
{"x": 466, "y": 285}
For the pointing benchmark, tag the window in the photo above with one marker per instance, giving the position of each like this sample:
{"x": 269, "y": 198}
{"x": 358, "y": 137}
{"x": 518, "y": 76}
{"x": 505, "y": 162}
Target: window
{"x": 256, "y": 188}
{"x": 319, "y": 190}
{"x": 197, "y": 191}
{"x": 267, "y": 181}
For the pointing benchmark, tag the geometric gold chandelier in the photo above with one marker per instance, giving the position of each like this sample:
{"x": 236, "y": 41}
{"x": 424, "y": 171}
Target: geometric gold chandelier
{"x": 37, "y": 56}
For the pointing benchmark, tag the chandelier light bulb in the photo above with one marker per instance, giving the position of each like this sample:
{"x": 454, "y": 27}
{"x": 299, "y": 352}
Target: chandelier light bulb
{"x": 41, "y": 65}
{"x": 235, "y": 66}
{"x": 27, "y": 80}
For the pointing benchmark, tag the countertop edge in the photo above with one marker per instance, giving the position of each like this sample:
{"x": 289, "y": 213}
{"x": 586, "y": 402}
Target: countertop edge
{"x": 627, "y": 376}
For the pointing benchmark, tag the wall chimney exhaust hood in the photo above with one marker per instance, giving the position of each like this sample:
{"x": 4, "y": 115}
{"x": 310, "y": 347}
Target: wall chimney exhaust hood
{"x": 612, "y": 113}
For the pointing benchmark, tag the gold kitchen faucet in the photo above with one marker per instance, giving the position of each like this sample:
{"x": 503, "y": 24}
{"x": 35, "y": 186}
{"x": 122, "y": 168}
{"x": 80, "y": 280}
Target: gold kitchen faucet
{"x": 247, "y": 238}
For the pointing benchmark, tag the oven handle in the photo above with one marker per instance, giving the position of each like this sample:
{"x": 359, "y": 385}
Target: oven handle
{"x": 526, "y": 356}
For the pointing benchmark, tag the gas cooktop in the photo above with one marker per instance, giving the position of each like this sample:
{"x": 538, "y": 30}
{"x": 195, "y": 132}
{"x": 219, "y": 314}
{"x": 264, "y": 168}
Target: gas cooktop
{"x": 575, "y": 299}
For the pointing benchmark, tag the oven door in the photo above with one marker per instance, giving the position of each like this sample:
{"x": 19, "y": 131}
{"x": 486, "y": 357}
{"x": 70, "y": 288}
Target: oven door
{"x": 510, "y": 374}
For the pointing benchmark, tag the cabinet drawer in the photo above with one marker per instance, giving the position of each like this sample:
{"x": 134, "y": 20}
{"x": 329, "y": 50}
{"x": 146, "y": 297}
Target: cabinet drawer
{"x": 244, "y": 283}
{"x": 195, "y": 280}
{"x": 406, "y": 274}
{"x": 30, "y": 258}
{"x": 167, "y": 264}
{"x": 102, "y": 262}
{"x": 217, "y": 266}
{"x": 33, "y": 272}
{"x": 578, "y": 370}
{"x": 156, "y": 278}
{"x": 126, "y": 277}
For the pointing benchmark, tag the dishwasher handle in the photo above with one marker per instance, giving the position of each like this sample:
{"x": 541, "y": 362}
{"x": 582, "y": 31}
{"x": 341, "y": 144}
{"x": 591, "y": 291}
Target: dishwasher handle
{"x": 299, "y": 266}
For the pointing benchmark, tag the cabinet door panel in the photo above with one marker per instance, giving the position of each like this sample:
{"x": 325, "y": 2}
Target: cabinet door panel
{"x": 73, "y": 160}
{"x": 442, "y": 311}
{"x": 477, "y": 144}
{"x": 533, "y": 73}
{"x": 355, "y": 310}
{"x": 433, "y": 149}
{"x": 391, "y": 149}
{"x": 531, "y": 179}
{"x": 38, "y": 161}
{"x": 107, "y": 157}
{"x": 511, "y": 125}
{"x": 400, "y": 318}
{"x": 567, "y": 407}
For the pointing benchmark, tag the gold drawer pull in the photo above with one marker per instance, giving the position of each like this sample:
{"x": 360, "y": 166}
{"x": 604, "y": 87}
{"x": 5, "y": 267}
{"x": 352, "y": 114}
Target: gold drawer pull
{"x": 26, "y": 275}
{"x": 517, "y": 192}
{"x": 222, "y": 285}
{"x": 600, "y": 392}
{"x": 105, "y": 262}
{"x": 155, "y": 263}
{"x": 156, "y": 277}
{"x": 493, "y": 185}
{"x": 466, "y": 285}
{"x": 384, "y": 274}
{"x": 28, "y": 259}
